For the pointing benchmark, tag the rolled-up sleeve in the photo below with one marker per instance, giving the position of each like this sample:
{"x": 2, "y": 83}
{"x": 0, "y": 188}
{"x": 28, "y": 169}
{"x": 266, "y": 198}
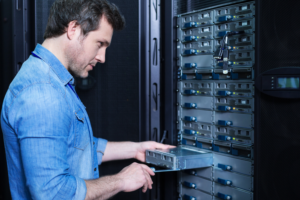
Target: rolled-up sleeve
{"x": 101, "y": 146}
{"x": 42, "y": 124}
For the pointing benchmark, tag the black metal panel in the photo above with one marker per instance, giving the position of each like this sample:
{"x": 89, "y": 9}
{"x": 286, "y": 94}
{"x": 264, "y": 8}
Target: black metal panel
{"x": 113, "y": 103}
{"x": 23, "y": 31}
{"x": 15, "y": 43}
{"x": 168, "y": 92}
{"x": 6, "y": 75}
{"x": 41, "y": 18}
{"x": 277, "y": 141}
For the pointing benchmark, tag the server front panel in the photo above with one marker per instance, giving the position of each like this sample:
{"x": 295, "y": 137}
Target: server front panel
{"x": 216, "y": 103}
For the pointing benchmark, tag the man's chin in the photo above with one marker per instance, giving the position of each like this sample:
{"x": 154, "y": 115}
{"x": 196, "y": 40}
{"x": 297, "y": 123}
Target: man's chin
{"x": 85, "y": 75}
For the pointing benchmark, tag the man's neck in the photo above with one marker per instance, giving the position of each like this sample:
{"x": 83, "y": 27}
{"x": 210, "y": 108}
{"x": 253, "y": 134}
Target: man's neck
{"x": 57, "y": 47}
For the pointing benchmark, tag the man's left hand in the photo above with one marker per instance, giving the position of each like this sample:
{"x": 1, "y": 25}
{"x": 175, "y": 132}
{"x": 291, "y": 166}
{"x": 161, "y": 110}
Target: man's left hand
{"x": 143, "y": 146}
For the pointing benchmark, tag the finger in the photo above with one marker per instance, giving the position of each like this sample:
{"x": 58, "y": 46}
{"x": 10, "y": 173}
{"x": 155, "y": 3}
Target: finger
{"x": 150, "y": 182}
{"x": 148, "y": 170}
{"x": 163, "y": 146}
{"x": 145, "y": 187}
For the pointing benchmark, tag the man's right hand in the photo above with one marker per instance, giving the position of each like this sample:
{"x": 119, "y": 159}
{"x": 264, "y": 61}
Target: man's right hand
{"x": 136, "y": 176}
{"x": 131, "y": 178}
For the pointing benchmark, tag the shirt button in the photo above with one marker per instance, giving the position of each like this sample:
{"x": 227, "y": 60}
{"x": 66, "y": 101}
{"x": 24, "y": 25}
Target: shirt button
{"x": 93, "y": 143}
{"x": 95, "y": 169}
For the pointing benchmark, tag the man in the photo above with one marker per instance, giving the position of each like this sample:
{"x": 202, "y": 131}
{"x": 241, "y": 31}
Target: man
{"x": 50, "y": 149}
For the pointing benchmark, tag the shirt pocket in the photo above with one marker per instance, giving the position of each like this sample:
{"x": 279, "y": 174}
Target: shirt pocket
{"x": 82, "y": 137}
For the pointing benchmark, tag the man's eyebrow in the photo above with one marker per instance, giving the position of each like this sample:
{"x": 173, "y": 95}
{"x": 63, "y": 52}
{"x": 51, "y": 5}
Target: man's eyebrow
{"x": 105, "y": 43}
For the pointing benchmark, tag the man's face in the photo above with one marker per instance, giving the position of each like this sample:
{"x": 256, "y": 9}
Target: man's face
{"x": 84, "y": 53}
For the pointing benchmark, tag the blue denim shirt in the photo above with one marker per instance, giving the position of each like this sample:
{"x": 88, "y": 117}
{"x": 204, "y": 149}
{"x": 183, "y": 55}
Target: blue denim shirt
{"x": 48, "y": 138}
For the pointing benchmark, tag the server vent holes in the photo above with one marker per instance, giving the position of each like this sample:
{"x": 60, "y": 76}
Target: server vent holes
{"x": 239, "y": 132}
{"x": 247, "y": 133}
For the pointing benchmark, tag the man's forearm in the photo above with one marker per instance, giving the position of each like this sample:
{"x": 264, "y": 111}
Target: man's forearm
{"x": 103, "y": 188}
{"x": 120, "y": 151}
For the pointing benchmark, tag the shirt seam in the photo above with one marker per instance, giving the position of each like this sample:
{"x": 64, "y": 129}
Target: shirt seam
{"x": 50, "y": 65}
{"x": 41, "y": 83}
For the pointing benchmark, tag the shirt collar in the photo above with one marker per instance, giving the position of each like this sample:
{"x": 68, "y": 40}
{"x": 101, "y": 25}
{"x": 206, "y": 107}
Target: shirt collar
{"x": 48, "y": 57}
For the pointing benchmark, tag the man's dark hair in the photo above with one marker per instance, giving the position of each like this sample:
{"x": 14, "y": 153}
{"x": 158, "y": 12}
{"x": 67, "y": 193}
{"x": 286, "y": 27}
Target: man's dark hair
{"x": 87, "y": 13}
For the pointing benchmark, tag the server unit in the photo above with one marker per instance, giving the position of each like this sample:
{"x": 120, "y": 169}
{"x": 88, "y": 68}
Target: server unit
{"x": 216, "y": 104}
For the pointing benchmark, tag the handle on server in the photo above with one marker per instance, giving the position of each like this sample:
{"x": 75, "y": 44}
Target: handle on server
{"x": 188, "y": 197}
{"x": 189, "y": 185}
{"x": 225, "y": 167}
{"x": 224, "y": 196}
{"x": 224, "y": 182}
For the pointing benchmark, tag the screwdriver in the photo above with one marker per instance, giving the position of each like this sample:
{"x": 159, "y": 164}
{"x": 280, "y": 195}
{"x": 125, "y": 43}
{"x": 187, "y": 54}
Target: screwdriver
{"x": 163, "y": 170}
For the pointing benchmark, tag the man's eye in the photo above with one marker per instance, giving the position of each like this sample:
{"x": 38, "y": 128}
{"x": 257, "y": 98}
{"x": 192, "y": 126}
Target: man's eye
{"x": 100, "y": 44}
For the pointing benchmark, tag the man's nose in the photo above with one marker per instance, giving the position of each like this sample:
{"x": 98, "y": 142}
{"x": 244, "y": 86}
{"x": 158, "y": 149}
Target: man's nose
{"x": 100, "y": 57}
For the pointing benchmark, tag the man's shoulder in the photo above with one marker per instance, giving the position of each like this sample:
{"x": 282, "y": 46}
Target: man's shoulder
{"x": 33, "y": 72}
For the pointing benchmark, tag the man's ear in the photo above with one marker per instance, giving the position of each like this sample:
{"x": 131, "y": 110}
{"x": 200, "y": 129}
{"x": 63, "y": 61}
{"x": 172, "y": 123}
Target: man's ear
{"x": 72, "y": 30}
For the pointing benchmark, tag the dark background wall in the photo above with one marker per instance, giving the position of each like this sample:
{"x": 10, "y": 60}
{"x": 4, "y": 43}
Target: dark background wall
{"x": 6, "y": 75}
{"x": 113, "y": 102}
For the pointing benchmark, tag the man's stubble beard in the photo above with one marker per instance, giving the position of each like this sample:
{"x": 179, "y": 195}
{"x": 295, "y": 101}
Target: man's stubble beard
{"x": 73, "y": 57}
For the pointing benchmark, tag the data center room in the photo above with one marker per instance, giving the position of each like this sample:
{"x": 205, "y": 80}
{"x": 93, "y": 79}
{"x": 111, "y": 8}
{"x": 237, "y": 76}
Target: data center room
{"x": 217, "y": 78}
